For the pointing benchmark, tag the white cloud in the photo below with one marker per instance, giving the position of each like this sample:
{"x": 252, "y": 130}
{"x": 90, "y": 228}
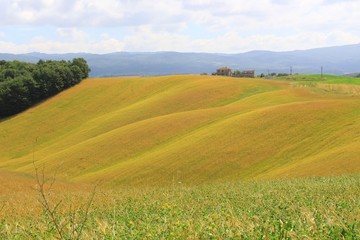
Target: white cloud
{"x": 106, "y": 45}
{"x": 224, "y": 13}
{"x": 146, "y": 38}
{"x": 39, "y": 44}
{"x": 226, "y": 25}
{"x": 2, "y": 34}
{"x": 69, "y": 13}
{"x": 71, "y": 34}
{"x": 232, "y": 42}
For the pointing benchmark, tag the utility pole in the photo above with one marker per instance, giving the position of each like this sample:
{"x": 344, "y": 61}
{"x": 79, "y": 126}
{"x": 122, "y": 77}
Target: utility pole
{"x": 290, "y": 70}
{"x": 321, "y": 72}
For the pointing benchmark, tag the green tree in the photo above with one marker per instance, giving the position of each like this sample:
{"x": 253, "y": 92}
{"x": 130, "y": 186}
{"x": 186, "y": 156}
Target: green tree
{"x": 14, "y": 98}
{"x": 82, "y": 64}
{"x": 23, "y": 84}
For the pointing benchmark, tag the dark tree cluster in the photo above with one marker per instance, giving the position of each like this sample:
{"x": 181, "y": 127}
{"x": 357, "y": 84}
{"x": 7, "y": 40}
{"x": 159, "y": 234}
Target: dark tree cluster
{"x": 24, "y": 84}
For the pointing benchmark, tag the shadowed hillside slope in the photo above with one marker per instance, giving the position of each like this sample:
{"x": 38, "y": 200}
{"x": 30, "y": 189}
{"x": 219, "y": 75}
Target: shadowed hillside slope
{"x": 189, "y": 129}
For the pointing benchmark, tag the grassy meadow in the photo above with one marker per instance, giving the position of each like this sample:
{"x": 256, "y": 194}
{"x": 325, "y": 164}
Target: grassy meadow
{"x": 325, "y": 78}
{"x": 326, "y": 84}
{"x": 307, "y": 208}
{"x": 194, "y": 157}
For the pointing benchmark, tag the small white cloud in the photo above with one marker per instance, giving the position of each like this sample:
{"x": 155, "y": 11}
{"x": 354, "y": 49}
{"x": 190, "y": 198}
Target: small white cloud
{"x": 71, "y": 34}
{"x": 38, "y": 39}
{"x": 9, "y": 47}
{"x": 2, "y": 35}
{"x": 107, "y": 44}
{"x": 146, "y": 39}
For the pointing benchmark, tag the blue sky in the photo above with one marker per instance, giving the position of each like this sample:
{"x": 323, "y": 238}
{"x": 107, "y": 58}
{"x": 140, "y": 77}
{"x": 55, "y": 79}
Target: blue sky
{"x": 223, "y": 26}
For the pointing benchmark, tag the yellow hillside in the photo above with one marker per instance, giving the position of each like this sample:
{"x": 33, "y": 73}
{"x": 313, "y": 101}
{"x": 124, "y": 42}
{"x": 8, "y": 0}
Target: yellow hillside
{"x": 189, "y": 129}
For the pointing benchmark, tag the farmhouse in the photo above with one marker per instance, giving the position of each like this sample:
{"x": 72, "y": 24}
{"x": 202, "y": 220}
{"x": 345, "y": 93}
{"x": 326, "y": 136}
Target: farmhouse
{"x": 224, "y": 71}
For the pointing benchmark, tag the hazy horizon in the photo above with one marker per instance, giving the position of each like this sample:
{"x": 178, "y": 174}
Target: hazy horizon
{"x": 165, "y": 51}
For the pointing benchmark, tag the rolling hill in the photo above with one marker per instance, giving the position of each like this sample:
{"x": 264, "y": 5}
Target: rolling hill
{"x": 137, "y": 131}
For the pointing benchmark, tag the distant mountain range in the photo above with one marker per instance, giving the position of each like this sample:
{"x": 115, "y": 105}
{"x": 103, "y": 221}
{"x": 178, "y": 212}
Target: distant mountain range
{"x": 334, "y": 60}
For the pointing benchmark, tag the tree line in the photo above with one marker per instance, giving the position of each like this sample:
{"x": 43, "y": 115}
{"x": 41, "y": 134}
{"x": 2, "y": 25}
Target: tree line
{"x": 24, "y": 84}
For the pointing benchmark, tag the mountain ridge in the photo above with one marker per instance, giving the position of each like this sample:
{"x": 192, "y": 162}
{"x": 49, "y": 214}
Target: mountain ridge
{"x": 337, "y": 60}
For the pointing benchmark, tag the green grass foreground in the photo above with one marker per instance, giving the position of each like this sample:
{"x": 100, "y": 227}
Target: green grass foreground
{"x": 326, "y": 78}
{"x": 309, "y": 208}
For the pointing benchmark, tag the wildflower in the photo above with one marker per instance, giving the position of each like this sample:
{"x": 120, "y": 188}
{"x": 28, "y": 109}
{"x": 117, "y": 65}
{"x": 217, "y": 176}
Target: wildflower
{"x": 166, "y": 206}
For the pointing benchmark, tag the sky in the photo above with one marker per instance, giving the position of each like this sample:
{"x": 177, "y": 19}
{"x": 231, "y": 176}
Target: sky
{"x": 214, "y": 26}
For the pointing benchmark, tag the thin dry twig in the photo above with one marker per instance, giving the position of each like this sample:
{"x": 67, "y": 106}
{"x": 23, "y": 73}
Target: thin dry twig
{"x": 51, "y": 211}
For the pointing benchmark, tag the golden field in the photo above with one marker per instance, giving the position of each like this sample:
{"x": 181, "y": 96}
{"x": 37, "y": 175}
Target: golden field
{"x": 184, "y": 157}
{"x": 154, "y": 131}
